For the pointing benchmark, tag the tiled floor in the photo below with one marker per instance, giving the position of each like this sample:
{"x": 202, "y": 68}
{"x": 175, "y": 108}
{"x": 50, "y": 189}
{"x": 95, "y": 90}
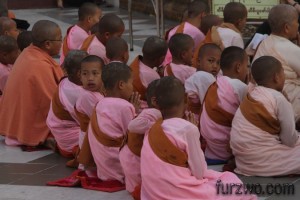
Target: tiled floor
{"x": 23, "y": 174}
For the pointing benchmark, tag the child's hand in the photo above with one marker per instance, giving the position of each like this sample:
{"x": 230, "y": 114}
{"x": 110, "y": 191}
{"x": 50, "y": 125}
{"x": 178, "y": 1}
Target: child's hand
{"x": 191, "y": 118}
{"x": 135, "y": 100}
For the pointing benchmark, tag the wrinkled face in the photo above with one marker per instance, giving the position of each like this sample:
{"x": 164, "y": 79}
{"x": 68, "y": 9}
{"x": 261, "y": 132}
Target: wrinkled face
{"x": 13, "y": 31}
{"x": 292, "y": 29}
{"x": 90, "y": 76}
{"x": 210, "y": 62}
{"x": 127, "y": 89}
{"x": 95, "y": 18}
{"x": 55, "y": 43}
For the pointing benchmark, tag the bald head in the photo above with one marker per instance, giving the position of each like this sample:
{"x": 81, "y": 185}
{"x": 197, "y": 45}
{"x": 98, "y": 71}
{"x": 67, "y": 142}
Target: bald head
{"x": 208, "y": 22}
{"x": 264, "y": 68}
{"x": 6, "y": 24}
{"x": 280, "y": 15}
{"x": 234, "y": 11}
{"x": 8, "y": 44}
{"x": 196, "y": 7}
{"x": 110, "y": 23}
{"x": 154, "y": 47}
{"x": 116, "y": 48}
{"x": 87, "y": 9}
{"x": 44, "y": 30}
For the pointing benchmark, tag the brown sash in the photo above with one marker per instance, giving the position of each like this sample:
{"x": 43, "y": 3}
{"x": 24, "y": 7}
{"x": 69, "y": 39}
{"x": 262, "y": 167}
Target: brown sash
{"x": 137, "y": 83}
{"x": 102, "y": 137}
{"x": 85, "y": 155}
{"x": 164, "y": 148}
{"x": 58, "y": 108}
{"x": 169, "y": 70}
{"x": 83, "y": 120}
{"x": 135, "y": 143}
{"x": 214, "y": 111}
{"x": 194, "y": 107}
{"x": 258, "y": 115}
{"x": 65, "y": 42}
{"x": 87, "y": 42}
{"x": 180, "y": 28}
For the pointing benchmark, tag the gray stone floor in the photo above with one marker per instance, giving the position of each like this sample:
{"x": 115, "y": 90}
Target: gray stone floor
{"x": 23, "y": 174}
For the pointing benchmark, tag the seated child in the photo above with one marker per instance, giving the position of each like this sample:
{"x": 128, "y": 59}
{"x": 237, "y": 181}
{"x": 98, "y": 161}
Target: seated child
{"x": 172, "y": 163}
{"x": 62, "y": 120}
{"x": 88, "y": 15}
{"x": 145, "y": 68}
{"x": 8, "y": 27}
{"x": 208, "y": 67}
{"x": 9, "y": 52}
{"x": 110, "y": 119}
{"x": 90, "y": 76}
{"x": 110, "y": 25}
{"x": 181, "y": 47}
{"x": 117, "y": 50}
{"x": 222, "y": 100}
{"x": 24, "y": 39}
{"x": 131, "y": 152}
{"x": 263, "y": 134}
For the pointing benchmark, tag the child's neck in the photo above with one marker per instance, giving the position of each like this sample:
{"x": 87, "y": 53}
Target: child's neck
{"x": 83, "y": 26}
{"x": 148, "y": 63}
{"x": 171, "y": 113}
{"x": 195, "y": 22}
{"x": 178, "y": 61}
{"x": 74, "y": 80}
{"x": 113, "y": 93}
{"x": 101, "y": 38}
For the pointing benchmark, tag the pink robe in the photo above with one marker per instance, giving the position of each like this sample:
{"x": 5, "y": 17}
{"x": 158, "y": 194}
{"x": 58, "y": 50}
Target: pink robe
{"x": 230, "y": 94}
{"x": 98, "y": 49}
{"x": 190, "y": 30}
{"x": 4, "y": 73}
{"x": 259, "y": 153}
{"x": 85, "y": 104}
{"x": 161, "y": 180}
{"x": 66, "y": 132}
{"x": 75, "y": 39}
{"x": 129, "y": 161}
{"x": 113, "y": 115}
{"x": 182, "y": 72}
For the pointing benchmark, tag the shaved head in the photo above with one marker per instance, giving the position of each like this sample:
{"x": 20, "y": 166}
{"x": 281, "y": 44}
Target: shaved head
{"x": 87, "y": 9}
{"x": 154, "y": 47}
{"x": 208, "y": 22}
{"x": 6, "y": 24}
{"x": 197, "y": 7}
{"x": 44, "y": 30}
{"x": 234, "y": 11}
{"x": 115, "y": 48}
{"x": 8, "y": 43}
{"x": 110, "y": 23}
{"x": 280, "y": 15}
{"x": 264, "y": 68}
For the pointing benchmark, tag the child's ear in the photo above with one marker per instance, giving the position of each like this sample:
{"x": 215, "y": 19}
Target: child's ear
{"x": 121, "y": 85}
{"x": 154, "y": 102}
{"x": 276, "y": 77}
{"x": 107, "y": 35}
{"x": 237, "y": 67}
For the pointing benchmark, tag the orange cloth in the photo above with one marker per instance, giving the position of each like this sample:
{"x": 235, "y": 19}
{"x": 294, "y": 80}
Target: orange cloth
{"x": 169, "y": 70}
{"x": 26, "y": 100}
{"x": 135, "y": 143}
{"x": 256, "y": 113}
{"x": 214, "y": 111}
{"x": 164, "y": 148}
{"x": 137, "y": 83}
{"x": 87, "y": 42}
{"x": 65, "y": 46}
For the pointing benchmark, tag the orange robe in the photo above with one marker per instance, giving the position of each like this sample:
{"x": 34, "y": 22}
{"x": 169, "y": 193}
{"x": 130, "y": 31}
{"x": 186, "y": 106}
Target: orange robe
{"x": 26, "y": 100}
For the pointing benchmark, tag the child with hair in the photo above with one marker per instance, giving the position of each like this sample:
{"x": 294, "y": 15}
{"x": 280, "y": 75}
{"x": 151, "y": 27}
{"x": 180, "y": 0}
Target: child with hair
{"x": 110, "y": 119}
{"x": 221, "y": 101}
{"x": 181, "y": 47}
{"x": 9, "y": 52}
{"x": 117, "y": 50}
{"x": 263, "y": 128}
{"x": 62, "y": 120}
{"x": 208, "y": 67}
{"x": 24, "y": 39}
{"x": 145, "y": 68}
{"x": 110, "y": 25}
{"x": 88, "y": 15}
{"x": 171, "y": 156}
{"x": 131, "y": 152}
{"x": 8, "y": 27}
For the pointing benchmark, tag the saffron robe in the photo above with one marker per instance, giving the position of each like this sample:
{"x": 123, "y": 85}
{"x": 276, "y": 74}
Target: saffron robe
{"x": 175, "y": 182}
{"x": 65, "y": 132}
{"x": 288, "y": 54}
{"x": 262, "y": 153}
{"x": 26, "y": 100}
{"x": 113, "y": 117}
{"x": 230, "y": 93}
{"x": 4, "y": 73}
{"x": 129, "y": 160}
